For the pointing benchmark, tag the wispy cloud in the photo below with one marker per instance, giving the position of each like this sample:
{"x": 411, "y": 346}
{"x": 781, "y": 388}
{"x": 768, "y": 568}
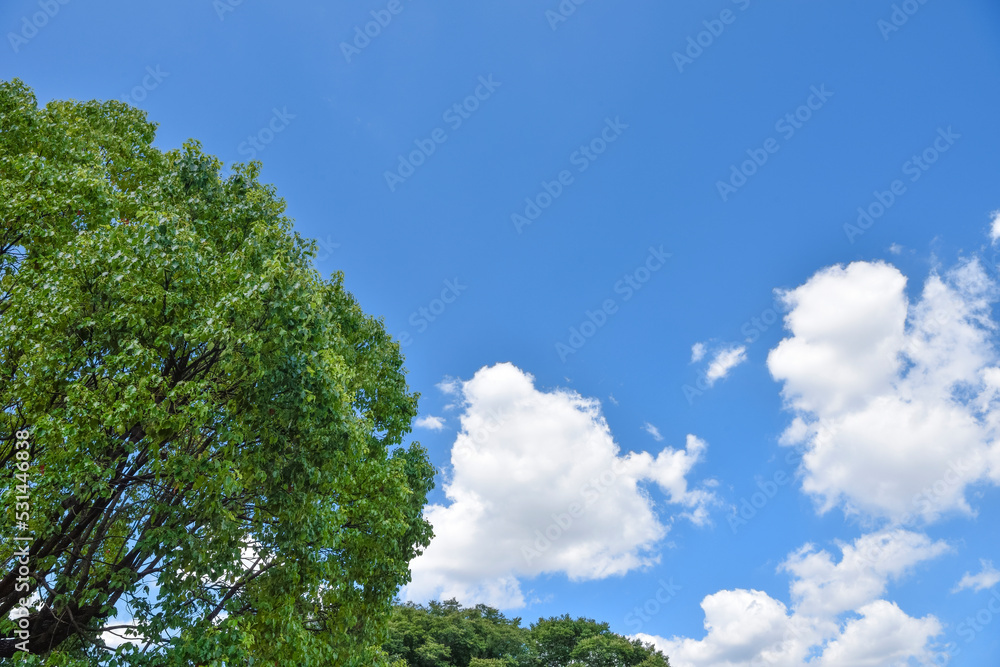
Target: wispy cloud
{"x": 697, "y": 352}
{"x": 430, "y": 422}
{"x": 725, "y": 361}
{"x": 988, "y": 577}
{"x": 653, "y": 431}
{"x": 449, "y": 386}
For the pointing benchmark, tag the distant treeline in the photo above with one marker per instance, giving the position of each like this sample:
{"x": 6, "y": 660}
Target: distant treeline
{"x": 445, "y": 634}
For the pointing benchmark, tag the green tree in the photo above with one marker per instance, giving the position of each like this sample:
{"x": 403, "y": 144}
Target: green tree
{"x": 444, "y": 634}
{"x": 611, "y": 650}
{"x": 207, "y": 416}
{"x": 563, "y": 641}
{"x": 555, "y": 638}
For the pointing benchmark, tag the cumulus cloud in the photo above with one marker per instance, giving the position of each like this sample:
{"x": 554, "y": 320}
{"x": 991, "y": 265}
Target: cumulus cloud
{"x": 995, "y": 226}
{"x": 539, "y": 485}
{"x": 837, "y": 616}
{"x": 987, "y": 577}
{"x": 697, "y": 352}
{"x": 740, "y": 626}
{"x": 883, "y": 636}
{"x": 430, "y": 422}
{"x": 895, "y": 403}
{"x": 823, "y": 588}
{"x": 724, "y": 361}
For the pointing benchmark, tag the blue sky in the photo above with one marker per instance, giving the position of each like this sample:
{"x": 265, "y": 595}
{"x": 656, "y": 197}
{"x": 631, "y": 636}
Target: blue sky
{"x": 686, "y": 162}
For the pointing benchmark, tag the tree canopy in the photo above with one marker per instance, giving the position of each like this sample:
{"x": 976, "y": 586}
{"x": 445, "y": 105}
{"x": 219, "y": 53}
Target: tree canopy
{"x": 216, "y": 431}
{"x": 444, "y": 634}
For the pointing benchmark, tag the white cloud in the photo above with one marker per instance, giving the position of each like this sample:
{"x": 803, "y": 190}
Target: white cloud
{"x": 653, "y": 431}
{"x": 450, "y": 386}
{"x": 824, "y": 588}
{"x": 430, "y": 422}
{"x": 896, "y": 403}
{"x": 725, "y": 361}
{"x": 837, "y": 617}
{"x": 995, "y": 226}
{"x": 740, "y": 626}
{"x": 884, "y": 636}
{"x": 988, "y": 577}
{"x": 697, "y": 352}
{"x": 118, "y": 636}
{"x": 540, "y": 486}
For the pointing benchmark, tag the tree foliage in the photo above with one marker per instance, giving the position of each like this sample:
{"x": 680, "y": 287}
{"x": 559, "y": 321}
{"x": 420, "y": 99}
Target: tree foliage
{"x": 215, "y": 430}
{"x": 444, "y": 634}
